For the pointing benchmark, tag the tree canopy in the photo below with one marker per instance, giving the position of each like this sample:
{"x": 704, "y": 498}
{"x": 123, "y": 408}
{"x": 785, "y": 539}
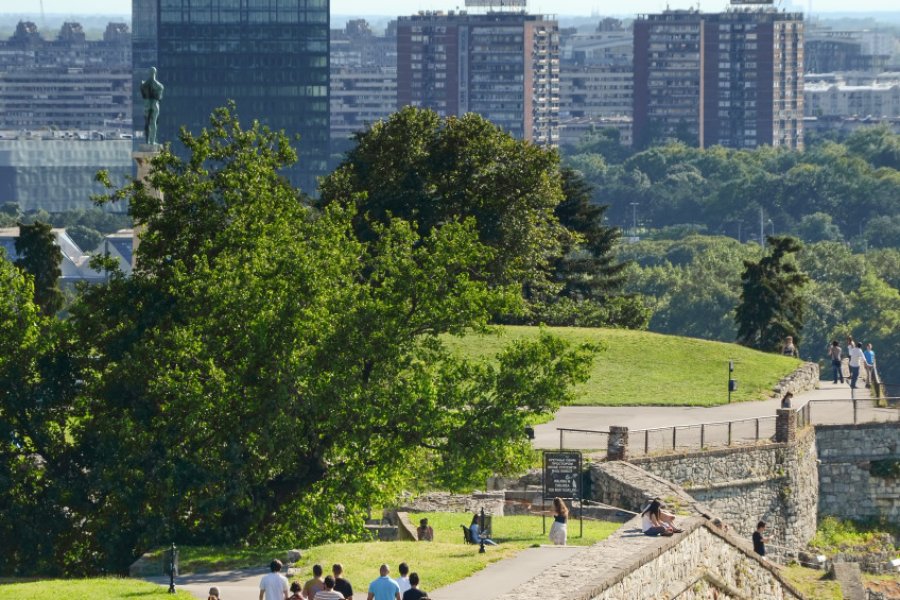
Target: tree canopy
{"x": 417, "y": 166}
{"x": 268, "y": 374}
{"x": 40, "y": 257}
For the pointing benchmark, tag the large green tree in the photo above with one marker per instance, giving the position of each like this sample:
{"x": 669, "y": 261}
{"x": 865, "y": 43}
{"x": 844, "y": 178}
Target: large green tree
{"x": 267, "y": 372}
{"x": 430, "y": 170}
{"x": 40, "y": 257}
{"x": 771, "y": 305}
{"x": 35, "y": 403}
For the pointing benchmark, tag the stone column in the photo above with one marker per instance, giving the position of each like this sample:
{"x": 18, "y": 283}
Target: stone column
{"x": 142, "y": 156}
{"x": 617, "y": 443}
{"x": 785, "y": 425}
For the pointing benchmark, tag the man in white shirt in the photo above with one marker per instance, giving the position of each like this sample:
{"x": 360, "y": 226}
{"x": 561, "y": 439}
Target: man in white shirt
{"x": 856, "y": 360}
{"x": 403, "y": 580}
{"x": 274, "y": 586}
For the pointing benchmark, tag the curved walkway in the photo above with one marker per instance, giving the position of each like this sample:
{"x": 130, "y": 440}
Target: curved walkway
{"x": 648, "y": 417}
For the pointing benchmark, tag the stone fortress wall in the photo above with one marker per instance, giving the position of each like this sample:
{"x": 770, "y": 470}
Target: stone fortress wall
{"x": 773, "y": 482}
{"x": 848, "y": 487}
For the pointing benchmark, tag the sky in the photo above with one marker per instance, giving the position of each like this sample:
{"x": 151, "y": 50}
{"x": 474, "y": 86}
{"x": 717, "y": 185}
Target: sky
{"x": 565, "y": 7}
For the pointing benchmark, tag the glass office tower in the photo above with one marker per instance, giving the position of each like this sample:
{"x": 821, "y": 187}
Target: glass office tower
{"x": 269, "y": 56}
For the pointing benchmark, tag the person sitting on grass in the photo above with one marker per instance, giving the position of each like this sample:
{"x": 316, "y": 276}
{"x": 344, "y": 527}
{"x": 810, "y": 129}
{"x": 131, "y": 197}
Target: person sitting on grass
{"x": 424, "y": 531}
{"x": 477, "y": 536}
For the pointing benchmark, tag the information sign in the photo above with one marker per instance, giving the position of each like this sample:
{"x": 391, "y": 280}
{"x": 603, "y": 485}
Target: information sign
{"x": 562, "y": 475}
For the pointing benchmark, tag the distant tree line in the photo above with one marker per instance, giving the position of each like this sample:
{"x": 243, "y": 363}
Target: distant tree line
{"x": 848, "y": 191}
{"x": 693, "y": 287}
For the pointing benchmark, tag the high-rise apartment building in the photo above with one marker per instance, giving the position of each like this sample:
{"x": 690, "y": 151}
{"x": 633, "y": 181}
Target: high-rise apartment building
{"x": 270, "y": 57}
{"x": 734, "y": 78}
{"x": 68, "y": 82}
{"x": 501, "y": 65}
{"x": 363, "y": 80}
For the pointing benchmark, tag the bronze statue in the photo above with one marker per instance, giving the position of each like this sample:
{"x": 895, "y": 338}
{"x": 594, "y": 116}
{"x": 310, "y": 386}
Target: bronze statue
{"x": 152, "y": 93}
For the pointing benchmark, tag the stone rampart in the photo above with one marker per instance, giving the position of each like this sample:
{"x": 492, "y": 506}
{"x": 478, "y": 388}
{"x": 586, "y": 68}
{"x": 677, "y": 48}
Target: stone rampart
{"x": 776, "y": 483}
{"x": 849, "y": 487}
{"x": 802, "y": 379}
{"x": 702, "y": 562}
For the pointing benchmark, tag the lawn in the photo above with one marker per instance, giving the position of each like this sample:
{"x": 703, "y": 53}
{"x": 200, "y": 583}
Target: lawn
{"x": 813, "y": 583}
{"x": 439, "y": 563}
{"x": 101, "y": 588}
{"x": 642, "y": 368}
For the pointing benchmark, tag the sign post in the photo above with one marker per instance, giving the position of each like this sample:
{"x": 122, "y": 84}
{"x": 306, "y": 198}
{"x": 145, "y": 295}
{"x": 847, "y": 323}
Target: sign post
{"x": 562, "y": 479}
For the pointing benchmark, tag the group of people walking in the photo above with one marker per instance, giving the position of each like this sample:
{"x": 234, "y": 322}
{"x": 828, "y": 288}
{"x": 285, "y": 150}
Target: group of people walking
{"x": 857, "y": 358}
{"x": 274, "y": 586}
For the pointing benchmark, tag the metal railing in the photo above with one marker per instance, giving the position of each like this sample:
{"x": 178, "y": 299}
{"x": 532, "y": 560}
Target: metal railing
{"x": 583, "y": 439}
{"x": 700, "y": 436}
{"x": 842, "y": 411}
{"x": 722, "y": 434}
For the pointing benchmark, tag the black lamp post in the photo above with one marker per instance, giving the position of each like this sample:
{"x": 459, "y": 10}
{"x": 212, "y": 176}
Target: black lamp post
{"x": 172, "y": 569}
{"x": 481, "y": 532}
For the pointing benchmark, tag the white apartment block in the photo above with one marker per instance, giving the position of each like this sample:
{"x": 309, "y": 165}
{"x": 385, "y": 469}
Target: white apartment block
{"x": 878, "y": 98}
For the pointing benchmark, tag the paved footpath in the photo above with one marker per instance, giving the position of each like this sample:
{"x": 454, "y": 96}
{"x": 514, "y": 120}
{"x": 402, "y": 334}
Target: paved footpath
{"x": 648, "y": 417}
{"x": 501, "y": 577}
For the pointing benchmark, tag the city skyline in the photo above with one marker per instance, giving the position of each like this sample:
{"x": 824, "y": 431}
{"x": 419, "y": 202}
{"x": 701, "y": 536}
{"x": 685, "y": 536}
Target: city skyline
{"x": 404, "y": 7}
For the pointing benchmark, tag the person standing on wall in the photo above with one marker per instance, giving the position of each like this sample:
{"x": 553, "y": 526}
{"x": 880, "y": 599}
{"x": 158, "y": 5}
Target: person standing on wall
{"x": 759, "y": 539}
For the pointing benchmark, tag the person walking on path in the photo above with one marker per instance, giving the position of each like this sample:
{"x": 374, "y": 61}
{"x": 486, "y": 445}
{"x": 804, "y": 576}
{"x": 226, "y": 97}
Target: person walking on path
{"x": 759, "y": 539}
{"x": 384, "y": 588}
{"x": 328, "y": 593}
{"x": 274, "y": 586}
{"x": 558, "y": 531}
{"x": 403, "y": 580}
{"x": 869, "y": 355}
{"x": 414, "y": 593}
{"x": 837, "y": 362}
{"x": 314, "y": 585}
{"x": 856, "y": 360}
{"x": 296, "y": 591}
{"x": 340, "y": 584}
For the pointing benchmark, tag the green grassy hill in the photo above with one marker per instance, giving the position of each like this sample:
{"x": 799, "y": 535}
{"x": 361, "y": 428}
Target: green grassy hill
{"x": 637, "y": 367}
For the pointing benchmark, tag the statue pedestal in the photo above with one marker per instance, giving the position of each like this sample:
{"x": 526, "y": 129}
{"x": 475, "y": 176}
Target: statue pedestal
{"x": 142, "y": 156}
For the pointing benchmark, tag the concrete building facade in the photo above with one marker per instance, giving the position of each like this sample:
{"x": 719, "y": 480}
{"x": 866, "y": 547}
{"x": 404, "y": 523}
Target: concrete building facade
{"x": 501, "y": 65}
{"x": 839, "y": 96}
{"x": 733, "y": 79}
{"x": 67, "y": 82}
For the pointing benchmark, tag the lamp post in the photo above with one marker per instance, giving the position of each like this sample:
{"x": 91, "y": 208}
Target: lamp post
{"x": 172, "y": 568}
{"x": 481, "y": 533}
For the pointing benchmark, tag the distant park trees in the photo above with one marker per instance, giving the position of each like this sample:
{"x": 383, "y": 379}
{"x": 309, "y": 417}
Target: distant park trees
{"x": 855, "y": 184}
